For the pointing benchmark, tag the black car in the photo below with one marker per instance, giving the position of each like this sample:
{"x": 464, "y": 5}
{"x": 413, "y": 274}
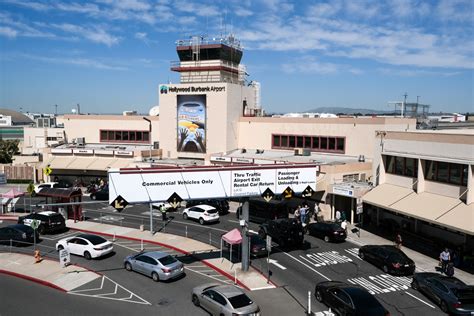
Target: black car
{"x": 451, "y": 294}
{"x": 389, "y": 258}
{"x": 101, "y": 195}
{"x": 347, "y": 299}
{"x": 285, "y": 232}
{"x": 221, "y": 205}
{"x": 329, "y": 231}
{"x": 18, "y": 233}
{"x": 261, "y": 211}
{"x": 48, "y": 221}
{"x": 258, "y": 246}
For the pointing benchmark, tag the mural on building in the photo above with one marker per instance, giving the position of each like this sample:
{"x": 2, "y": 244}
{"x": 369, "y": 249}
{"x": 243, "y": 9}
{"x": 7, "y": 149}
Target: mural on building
{"x": 191, "y": 123}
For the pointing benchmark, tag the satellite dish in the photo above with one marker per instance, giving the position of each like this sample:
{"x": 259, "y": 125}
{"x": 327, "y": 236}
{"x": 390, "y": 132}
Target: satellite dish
{"x": 155, "y": 111}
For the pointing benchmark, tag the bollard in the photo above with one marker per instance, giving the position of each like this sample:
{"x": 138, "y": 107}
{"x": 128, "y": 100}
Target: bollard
{"x": 309, "y": 302}
{"x": 141, "y": 246}
{"x": 142, "y": 227}
{"x": 101, "y": 218}
{"x": 210, "y": 240}
{"x": 186, "y": 231}
{"x": 113, "y": 238}
{"x": 235, "y": 276}
{"x": 11, "y": 242}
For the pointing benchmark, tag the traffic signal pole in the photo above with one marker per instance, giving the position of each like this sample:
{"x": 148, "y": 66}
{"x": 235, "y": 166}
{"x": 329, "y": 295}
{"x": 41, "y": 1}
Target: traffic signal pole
{"x": 245, "y": 238}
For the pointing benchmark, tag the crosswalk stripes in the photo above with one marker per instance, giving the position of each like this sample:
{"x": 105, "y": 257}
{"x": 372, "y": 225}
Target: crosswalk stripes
{"x": 383, "y": 283}
{"x": 325, "y": 258}
{"x": 354, "y": 252}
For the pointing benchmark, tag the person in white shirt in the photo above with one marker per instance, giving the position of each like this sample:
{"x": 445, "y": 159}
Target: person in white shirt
{"x": 344, "y": 225}
{"x": 338, "y": 215}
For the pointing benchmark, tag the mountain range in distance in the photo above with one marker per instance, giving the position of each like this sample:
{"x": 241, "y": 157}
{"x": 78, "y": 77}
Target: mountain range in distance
{"x": 344, "y": 110}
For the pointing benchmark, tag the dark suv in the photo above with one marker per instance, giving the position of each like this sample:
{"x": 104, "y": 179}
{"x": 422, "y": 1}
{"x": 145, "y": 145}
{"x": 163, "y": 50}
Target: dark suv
{"x": 49, "y": 221}
{"x": 221, "y": 205}
{"x": 285, "y": 232}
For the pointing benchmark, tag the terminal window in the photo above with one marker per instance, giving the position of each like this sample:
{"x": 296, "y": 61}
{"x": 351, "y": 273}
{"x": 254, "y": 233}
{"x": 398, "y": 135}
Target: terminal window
{"x": 452, "y": 173}
{"x": 401, "y": 166}
{"x": 121, "y": 136}
{"x": 312, "y": 142}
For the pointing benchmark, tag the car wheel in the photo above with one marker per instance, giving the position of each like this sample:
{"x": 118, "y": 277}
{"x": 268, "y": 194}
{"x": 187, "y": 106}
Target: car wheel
{"x": 87, "y": 255}
{"x": 326, "y": 238}
{"x": 362, "y": 255}
{"x": 385, "y": 268}
{"x": 128, "y": 266}
{"x": 415, "y": 285}
{"x": 444, "y": 307}
{"x": 93, "y": 197}
{"x": 185, "y": 216}
{"x": 319, "y": 297}
{"x": 60, "y": 247}
{"x": 195, "y": 300}
{"x": 155, "y": 277}
{"x": 201, "y": 221}
{"x": 262, "y": 234}
{"x": 41, "y": 230}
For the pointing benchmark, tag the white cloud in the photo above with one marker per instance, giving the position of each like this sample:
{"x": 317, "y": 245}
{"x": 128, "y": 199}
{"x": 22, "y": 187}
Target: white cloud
{"x": 324, "y": 9}
{"x": 195, "y": 8}
{"x": 8, "y": 32}
{"x": 95, "y": 34}
{"x": 310, "y": 65}
{"x": 87, "y": 8}
{"x": 242, "y": 12}
{"x": 38, "y": 6}
{"x": 75, "y": 61}
{"x": 417, "y": 72}
{"x": 456, "y": 11}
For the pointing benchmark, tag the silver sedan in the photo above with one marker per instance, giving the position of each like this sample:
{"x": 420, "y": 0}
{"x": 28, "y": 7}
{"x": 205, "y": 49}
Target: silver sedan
{"x": 155, "y": 264}
{"x": 224, "y": 300}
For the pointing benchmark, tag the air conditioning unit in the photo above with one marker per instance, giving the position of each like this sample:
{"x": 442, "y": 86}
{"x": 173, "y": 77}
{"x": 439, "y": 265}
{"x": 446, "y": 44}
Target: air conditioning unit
{"x": 156, "y": 145}
{"x": 81, "y": 141}
{"x": 299, "y": 151}
{"x": 306, "y": 152}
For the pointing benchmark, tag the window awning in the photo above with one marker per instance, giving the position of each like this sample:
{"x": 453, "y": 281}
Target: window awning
{"x": 81, "y": 163}
{"x": 433, "y": 208}
{"x": 121, "y": 163}
{"x": 60, "y": 162}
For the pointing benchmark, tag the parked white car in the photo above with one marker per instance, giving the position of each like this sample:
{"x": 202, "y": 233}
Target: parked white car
{"x": 203, "y": 213}
{"x": 86, "y": 245}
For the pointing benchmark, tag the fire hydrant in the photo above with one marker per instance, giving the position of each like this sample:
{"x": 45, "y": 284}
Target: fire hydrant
{"x": 38, "y": 258}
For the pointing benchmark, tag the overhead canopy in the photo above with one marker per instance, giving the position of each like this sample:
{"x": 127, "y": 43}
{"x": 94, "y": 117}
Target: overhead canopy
{"x": 233, "y": 237}
{"x": 433, "y": 208}
{"x": 59, "y": 192}
{"x": 13, "y": 193}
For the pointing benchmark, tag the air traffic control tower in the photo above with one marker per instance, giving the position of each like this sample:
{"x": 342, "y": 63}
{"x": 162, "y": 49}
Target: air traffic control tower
{"x": 200, "y": 114}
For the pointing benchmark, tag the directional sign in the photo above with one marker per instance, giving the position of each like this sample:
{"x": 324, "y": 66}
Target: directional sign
{"x": 268, "y": 195}
{"x": 48, "y": 170}
{"x": 35, "y": 224}
{"x": 119, "y": 203}
{"x": 288, "y": 193}
{"x": 269, "y": 243}
{"x": 307, "y": 192}
{"x": 175, "y": 200}
{"x": 64, "y": 258}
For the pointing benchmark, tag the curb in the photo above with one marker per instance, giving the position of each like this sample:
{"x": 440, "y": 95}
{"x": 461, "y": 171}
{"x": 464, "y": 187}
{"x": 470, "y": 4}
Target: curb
{"x": 170, "y": 247}
{"x": 29, "y": 278}
{"x": 8, "y": 218}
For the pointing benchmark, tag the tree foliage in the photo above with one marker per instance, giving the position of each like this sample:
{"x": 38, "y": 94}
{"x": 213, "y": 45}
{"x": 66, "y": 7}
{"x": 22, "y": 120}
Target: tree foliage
{"x": 8, "y": 148}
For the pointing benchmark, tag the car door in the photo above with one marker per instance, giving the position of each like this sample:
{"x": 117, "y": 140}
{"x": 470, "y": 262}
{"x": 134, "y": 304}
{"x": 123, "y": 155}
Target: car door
{"x": 81, "y": 246}
{"x": 72, "y": 246}
{"x": 149, "y": 265}
{"x": 193, "y": 212}
{"x": 379, "y": 256}
{"x": 6, "y": 233}
{"x": 207, "y": 301}
{"x": 439, "y": 291}
{"x": 341, "y": 302}
{"x": 139, "y": 263}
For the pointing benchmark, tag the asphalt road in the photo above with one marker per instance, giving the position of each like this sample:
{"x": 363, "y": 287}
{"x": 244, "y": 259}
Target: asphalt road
{"x": 297, "y": 271}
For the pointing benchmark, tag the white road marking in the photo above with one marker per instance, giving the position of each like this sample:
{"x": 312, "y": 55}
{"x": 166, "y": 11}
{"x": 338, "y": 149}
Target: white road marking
{"x": 354, "y": 252}
{"x": 252, "y": 231}
{"x": 326, "y": 258}
{"x": 420, "y": 300}
{"x": 383, "y": 283}
{"x": 61, "y": 236}
{"x": 272, "y": 261}
{"x": 206, "y": 275}
{"x": 132, "y": 298}
{"x": 307, "y": 266}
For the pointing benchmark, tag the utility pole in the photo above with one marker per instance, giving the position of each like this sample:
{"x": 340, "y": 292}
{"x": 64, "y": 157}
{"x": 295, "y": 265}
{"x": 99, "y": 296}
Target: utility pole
{"x": 245, "y": 238}
{"x": 404, "y": 102}
{"x": 56, "y": 110}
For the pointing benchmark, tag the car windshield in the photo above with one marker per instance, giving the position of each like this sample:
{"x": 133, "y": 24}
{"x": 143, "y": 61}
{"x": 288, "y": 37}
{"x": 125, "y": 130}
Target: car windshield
{"x": 211, "y": 211}
{"x": 95, "y": 240}
{"x": 23, "y": 228}
{"x": 57, "y": 217}
{"x": 239, "y": 301}
{"x": 396, "y": 257}
{"x": 465, "y": 295}
{"x": 167, "y": 260}
{"x": 335, "y": 226}
{"x": 363, "y": 300}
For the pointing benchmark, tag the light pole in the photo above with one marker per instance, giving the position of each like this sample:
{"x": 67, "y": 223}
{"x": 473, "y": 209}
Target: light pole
{"x": 149, "y": 130}
{"x": 151, "y": 206}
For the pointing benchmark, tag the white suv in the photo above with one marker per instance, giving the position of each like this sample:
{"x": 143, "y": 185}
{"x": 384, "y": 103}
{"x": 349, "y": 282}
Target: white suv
{"x": 203, "y": 213}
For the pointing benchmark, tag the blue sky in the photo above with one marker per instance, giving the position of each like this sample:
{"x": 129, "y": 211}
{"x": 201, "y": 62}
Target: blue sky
{"x": 110, "y": 56}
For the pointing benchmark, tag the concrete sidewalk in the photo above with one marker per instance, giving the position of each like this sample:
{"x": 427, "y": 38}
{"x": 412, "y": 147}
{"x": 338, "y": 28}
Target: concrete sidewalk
{"x": 423, "y": 263}
{"x": 47, "y": 272}
{"x": 251, "y": 279}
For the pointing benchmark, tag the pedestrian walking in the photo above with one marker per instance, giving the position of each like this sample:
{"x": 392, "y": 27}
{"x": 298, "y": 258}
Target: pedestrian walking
{"x": 303, "y": 212}
{"x": 398, "y": 241}
{"x": 338, "y": 216}
{"x": 344, "y": 226}
{"x": 297, "y": 212}
{"x": 444, "y": 259}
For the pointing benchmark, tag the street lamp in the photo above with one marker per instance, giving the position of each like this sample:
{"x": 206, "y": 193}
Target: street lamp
{"x": 149, "y": 135}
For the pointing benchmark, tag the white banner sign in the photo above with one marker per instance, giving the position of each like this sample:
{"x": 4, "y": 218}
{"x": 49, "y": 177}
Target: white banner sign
{"x": 64, "y": 258}
{"x": 83, "y": 151}
{"x": 343, "y": 191}
{"x": 151, "y": 185}
{"x": 61, "y": 151}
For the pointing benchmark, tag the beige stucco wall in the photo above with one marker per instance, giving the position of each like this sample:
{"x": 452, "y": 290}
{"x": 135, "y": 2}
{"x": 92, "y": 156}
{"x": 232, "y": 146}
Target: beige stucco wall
{"x": 223, "y": 109}
{"x": 89, "y": 126}
{"x": 255, "y": 132}
{"x": 34, "y": 139}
